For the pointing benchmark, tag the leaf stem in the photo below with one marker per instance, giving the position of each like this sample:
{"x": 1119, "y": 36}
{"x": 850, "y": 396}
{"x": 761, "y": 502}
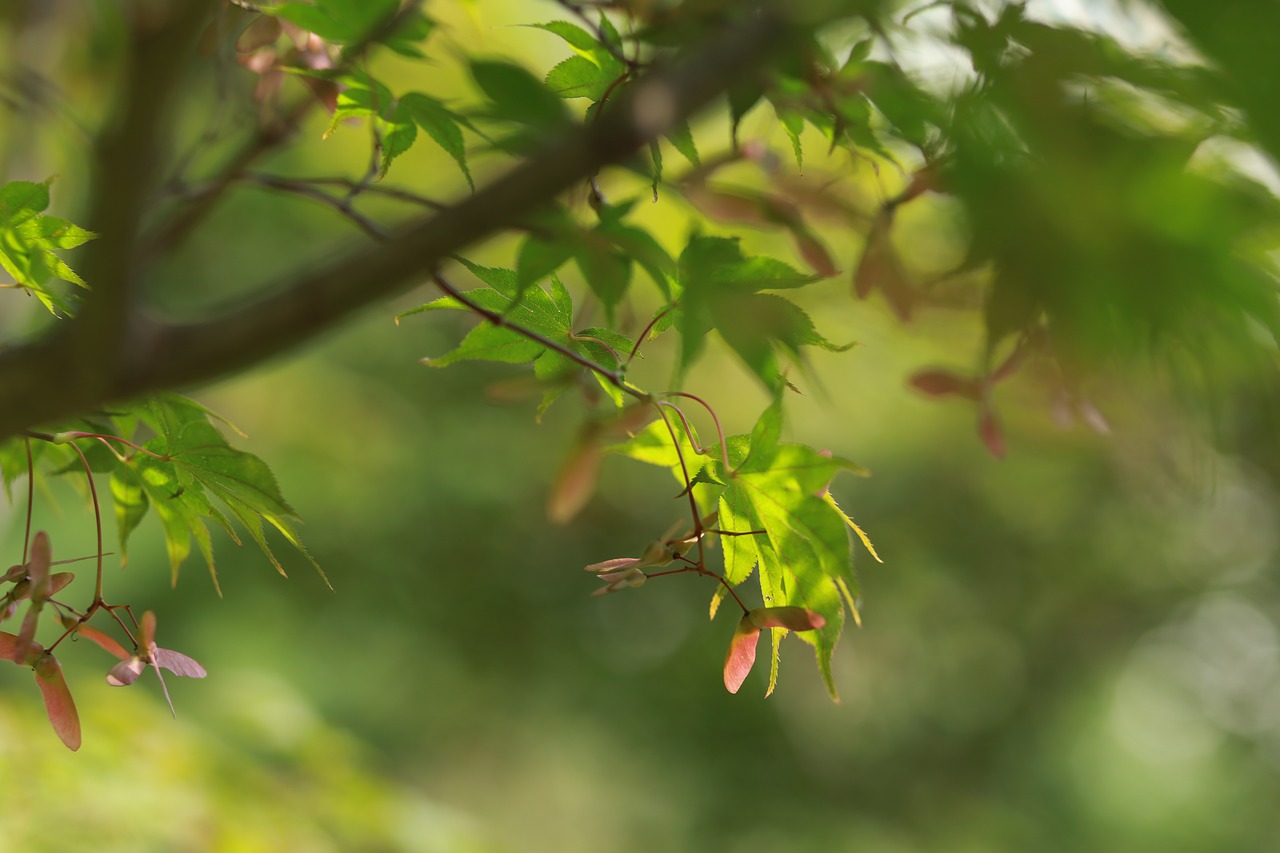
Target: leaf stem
{"x": 724, "y": 450}
{"x": 684, "y": 471}
{"x": 31, "y": 498}
{"x": 697, "y": 569}
{"x": 108, "y": 438}
{"x": 97, "y": 520}
{"x": 640, "y": 340}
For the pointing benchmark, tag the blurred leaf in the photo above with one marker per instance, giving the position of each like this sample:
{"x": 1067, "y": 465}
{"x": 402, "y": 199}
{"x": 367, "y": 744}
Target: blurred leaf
{"x": 340, "y": 21}
{"x": 29, "y": 239}
{"x": 682, "y": 139}
{"x": 517, "y": 96}
{"x": 441, "y": 125}
{"x": 576, "y": 480}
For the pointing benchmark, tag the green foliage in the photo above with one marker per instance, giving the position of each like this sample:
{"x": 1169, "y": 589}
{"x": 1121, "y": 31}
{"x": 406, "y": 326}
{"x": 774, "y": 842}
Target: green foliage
{"x": 1086, "y": 233}
{"x": 29, "y": 239}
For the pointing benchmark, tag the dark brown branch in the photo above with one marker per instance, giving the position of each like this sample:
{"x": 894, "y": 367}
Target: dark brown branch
{"x": 127, "y": 149}
{"x": 264, "y": 139}
{"x": 34, "y": 379}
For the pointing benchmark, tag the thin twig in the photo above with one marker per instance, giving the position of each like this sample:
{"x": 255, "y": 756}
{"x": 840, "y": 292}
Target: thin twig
{"x": 97, "y": 517}
{"x": 264, "y": 140}
{"x": 640, "y": 340}
{"x": 613, "y": 377}
{"x": 342, "y": 205}
{"x": 31, "y": 498}
{"x": 684, "y": 472}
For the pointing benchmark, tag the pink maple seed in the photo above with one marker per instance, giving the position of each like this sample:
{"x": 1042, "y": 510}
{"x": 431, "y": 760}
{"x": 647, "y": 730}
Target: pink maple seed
{"x": 989, "y": 430}
{"x": 616, "y": 564}
{"x": 58, "y": 704}
{"x": 178, "y": 663}
{"x": 40, "y": 590}
{"x": 791, "y": 618}
{"x": 575, "y": 482}
{"x": 742, "y": 654}
{"x": 941, "y": 383}
{"x": 105, "y": 641}
{"x": 127, "y": 671}
{"x": 814, "y": 253}
{"x": 9, "y": 647}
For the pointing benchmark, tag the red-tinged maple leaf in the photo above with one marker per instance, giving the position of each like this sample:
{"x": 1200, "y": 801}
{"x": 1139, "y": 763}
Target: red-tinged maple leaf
{"x": 990, "y": 432}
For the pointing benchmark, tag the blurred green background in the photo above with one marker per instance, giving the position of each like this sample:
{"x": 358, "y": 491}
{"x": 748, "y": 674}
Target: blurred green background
{"x": 1074, "y": 648}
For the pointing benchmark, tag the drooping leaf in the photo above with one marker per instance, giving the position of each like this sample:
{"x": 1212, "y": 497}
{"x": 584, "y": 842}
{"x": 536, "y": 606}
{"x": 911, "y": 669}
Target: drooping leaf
{"x": 517, "y": 96}
{"x": 606, "y": 270}
{"x": 644, "y": 249}
{"x": 539, "y": 258}
{"x": 441, "y": 125}
{"x": 414, "y": 28}
{"x": 29, "y": 239}
{"x": 131, "y": 503}
{"x": 681, "y": 137}
{"x": 187, "y": 462}
{"x": 398, "y": 137}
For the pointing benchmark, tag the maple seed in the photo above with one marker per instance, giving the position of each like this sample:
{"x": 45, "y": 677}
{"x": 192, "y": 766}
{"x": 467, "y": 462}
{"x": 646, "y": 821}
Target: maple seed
{"x": 791, "y": 618}
{"x": 620, "y": 579}
{"x": 742, "y": 648}
{"x": 127, "y": 671}
{"x": 58, "y": 704}
{"x": 742, "y": 654}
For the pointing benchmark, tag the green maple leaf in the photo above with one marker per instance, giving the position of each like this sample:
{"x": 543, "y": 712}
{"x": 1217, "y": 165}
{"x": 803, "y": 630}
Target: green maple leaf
{"x": 29, "y": 240}
{"x": 187, "y": 463}
{"x": 548, "y": 313}
{"x": 774, "y": 493}
{"x": 720, "y": 289}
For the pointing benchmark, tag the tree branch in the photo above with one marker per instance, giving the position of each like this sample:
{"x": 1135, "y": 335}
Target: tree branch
{"x": 33, "y": 379}
{"x": 126, "y": 151}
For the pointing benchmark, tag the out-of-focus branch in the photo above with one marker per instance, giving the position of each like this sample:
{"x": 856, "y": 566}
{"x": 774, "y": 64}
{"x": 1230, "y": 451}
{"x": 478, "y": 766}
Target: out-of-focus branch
{"x": 165, "y": 355}
{"x": 126, "y": 151}
{"x": 264, "y": 139}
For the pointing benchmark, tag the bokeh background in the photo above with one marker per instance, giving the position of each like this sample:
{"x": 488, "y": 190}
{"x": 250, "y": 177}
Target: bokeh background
{"x": 1073, "y": 648}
